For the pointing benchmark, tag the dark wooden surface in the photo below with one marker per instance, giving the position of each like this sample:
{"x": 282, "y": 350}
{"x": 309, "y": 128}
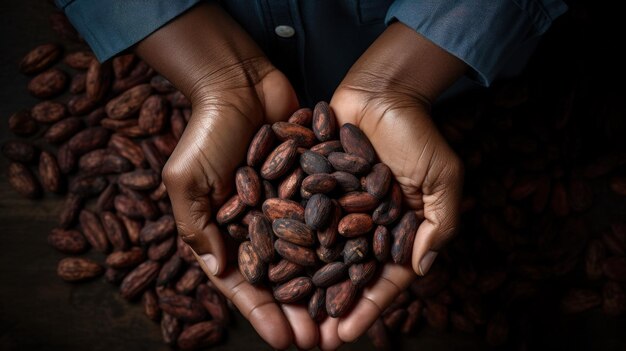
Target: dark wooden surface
{"x": 38, "y": 311}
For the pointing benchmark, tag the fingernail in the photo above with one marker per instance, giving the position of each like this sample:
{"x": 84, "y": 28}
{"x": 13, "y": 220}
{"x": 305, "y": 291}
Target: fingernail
{"x": 427, "y": 262}
{"x": 211, "y": 263}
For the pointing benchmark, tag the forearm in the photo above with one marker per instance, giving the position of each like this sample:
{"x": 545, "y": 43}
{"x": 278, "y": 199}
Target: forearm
{"x": 402, "y": 61}
{"x": 204, "y": 51}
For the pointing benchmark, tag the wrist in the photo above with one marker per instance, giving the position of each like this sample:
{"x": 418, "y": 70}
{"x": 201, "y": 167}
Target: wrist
{"x": 206, "y": 55}
{"x": 400, "y": 64}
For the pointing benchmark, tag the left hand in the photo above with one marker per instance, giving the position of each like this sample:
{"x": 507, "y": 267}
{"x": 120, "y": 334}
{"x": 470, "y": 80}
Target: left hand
{"x": 387, "y": 94}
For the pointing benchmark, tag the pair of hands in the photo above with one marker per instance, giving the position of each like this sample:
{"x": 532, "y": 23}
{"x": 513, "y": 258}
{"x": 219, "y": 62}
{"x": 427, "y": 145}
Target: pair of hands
{"x": 234, "y": 89}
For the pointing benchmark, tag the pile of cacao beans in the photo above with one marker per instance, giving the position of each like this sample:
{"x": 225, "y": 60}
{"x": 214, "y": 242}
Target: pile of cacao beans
{"x": 306, "y": 222}
{"x": 542, "y": 224}
{"x": 103, "y": 147}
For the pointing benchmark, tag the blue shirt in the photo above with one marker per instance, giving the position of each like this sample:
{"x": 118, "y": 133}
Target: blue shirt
{"x": 492, "y": 36}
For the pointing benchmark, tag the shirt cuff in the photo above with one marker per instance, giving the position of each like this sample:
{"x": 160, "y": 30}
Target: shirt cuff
{"x": 482, "y": 33}
{"x": 112, "y": 26}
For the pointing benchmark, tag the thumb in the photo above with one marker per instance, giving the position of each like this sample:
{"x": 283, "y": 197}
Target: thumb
{"x": 441, "y": 216}
{"x": 191, "y": 205}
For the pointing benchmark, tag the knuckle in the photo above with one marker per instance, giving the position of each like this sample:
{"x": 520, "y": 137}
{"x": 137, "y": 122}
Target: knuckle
{"x": 173, "y": 172}
{"x": 187, "y": 234}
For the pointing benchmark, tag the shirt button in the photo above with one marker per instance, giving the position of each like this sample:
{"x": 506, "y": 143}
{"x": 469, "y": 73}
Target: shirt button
{"x": 285, "y": 31}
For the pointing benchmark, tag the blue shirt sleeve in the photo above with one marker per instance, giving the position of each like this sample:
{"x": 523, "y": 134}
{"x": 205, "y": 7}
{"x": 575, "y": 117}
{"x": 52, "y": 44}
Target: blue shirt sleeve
{"x": 112, "y": 26}
{"x": 485, "y": 34}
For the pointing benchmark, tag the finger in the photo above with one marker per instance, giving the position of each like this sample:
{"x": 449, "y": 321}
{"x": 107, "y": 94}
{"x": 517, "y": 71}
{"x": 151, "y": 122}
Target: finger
{"x": 305, "y": 332}
{"x": 375, "y": 299}
{"x": 257, "y": 305}
{"x": 441, "y": 215}
{"x": 329, "y": 337}
{"x": 192, "y": 211}
{"x": 278, "y": 105}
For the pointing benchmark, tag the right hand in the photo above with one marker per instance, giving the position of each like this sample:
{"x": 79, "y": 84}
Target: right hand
{"x": 234, "y": 89}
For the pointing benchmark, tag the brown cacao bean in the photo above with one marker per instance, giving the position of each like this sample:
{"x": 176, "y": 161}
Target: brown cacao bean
{"x": 190, "y": 280}
{"x": 283, "y": 270}
{"x": 340, "y": 297}
{"x": 153, "y": 114}
{"x": 71, "y": 208}
{"x": 214, "y": 303}
{"x": 170, "y": 270}
{"x": 79, "y": 60}
{"x": 403, "y": 236}
{"x": 182, "y": 307}
{"x": 49, "y": 172}
{"x": 128, "y": 103}
{"x": 88, "y": 139}
{"x": 232, "y": 209}
{"x": 248, "y": 185}
{"x": 200, "y": 335}
{"x": 18, "y": 151}
{"x": 302, "y": 117}
{"x": 125, "y": 259}
{"x": 312, "y": 163}
{"x": 329, "y": 254}
{"x": 40, "y": 58}
{"x": 260, "y": 146}
{"x": 48, "y": 84}
{"x": 158, "y": 230}
{"x": 23, "y": 181}
{"x": 170, "y": 329}
{"x": 115, "y": 230}
{"x": 361, "y": 273}
{"x": 316, "y": 307}
{"x": 355, "y": 142}
{"x": 93, "y": 231}
{"x": 290, "y": 186}
{"x": 293, "y": 231}
{"x": 355, "y": 224}
{"x": 355, "y": 250}
{"x": 324, "y": 122}
{"x": 318, "y": 211}
{"x": 98, "y": 79}
{"x": 381, "y": 243}
{"x": 358, "y": 201}
{"x": 328, "y": 235}
{"x": 63, "y": 130}
{"x": 330, "y": 274}
{"x": 73, "y": 269}
{"x": 345, "y": 162}
{"x": 275, "y": 208}
{"x": 280, "y": 160}
{"x": 260, "y": 233}
{"x": 48, "y": 112}
{"x": 294, "y": 290}
{"x": 327, "y": 147}
{"x": 138, "y": 279}
{"x": 295, "y": 253}
{"x": 250, "y": 264}
{"x": 319, "y": 183}
{"x": 150, "y": 304}
{"x": 141, "y": 179}
{"x": 78, "y": 83}
{"x": 302, "y": 135}
{"x": 67, "y": 241}
{"x": 22, "y": 124}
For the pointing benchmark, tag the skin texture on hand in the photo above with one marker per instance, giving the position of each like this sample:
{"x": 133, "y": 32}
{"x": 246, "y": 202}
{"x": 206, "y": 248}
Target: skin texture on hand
{"x": 387, "y": 94}
{"x": 233, "y": 89}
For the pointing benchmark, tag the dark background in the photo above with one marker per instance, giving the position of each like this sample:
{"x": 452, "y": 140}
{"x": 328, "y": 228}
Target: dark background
{"x": 39, "y": 311}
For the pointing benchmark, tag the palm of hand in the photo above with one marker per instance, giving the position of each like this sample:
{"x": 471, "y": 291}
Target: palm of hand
{"x": 199, "y": 178}
{"x": 430, "y": 176}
